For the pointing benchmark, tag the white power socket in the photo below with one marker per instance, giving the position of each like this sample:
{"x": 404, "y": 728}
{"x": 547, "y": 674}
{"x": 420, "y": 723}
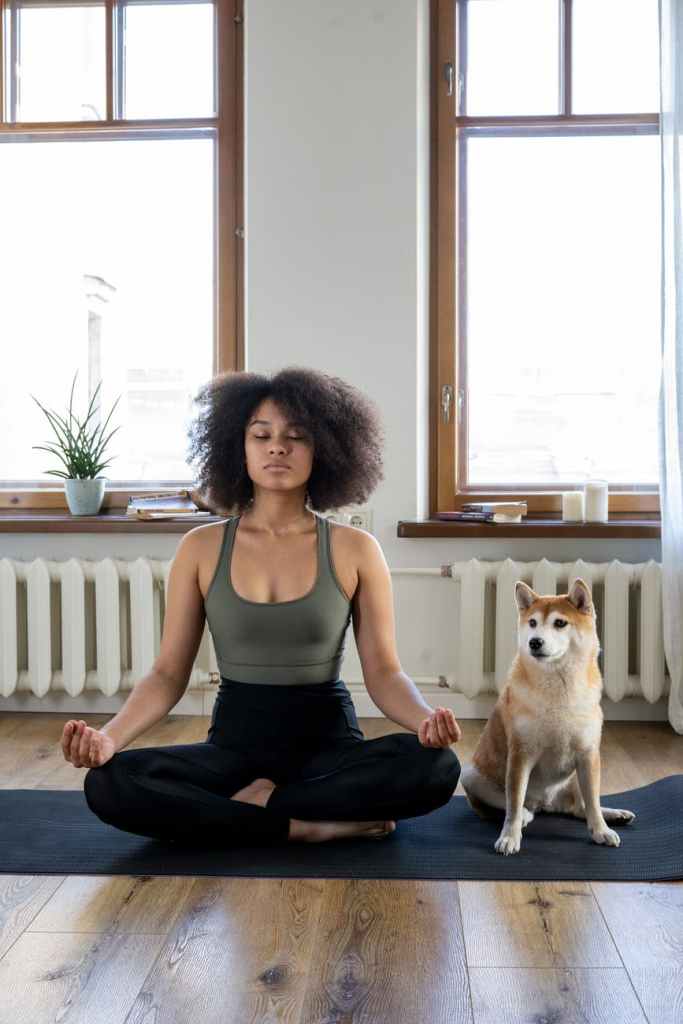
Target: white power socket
{"x": 360, "y": 518}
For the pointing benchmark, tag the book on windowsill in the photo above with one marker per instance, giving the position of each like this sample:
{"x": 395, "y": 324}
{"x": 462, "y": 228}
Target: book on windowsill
{"x": 164, "y": 506}
{"x": 478, "y": 517}
{"x": 485, "y": 516}
{"x": 510, "y": 508}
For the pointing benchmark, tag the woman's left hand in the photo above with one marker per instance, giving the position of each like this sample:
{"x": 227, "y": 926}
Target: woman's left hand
{"x": 440, "y": 729}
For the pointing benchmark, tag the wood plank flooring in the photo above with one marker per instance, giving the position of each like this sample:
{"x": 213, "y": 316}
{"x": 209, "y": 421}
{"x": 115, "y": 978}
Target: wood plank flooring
{"x": 315, "y": 951}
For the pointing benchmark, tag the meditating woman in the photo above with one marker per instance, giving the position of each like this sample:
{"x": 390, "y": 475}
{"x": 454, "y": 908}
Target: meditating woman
{"x": 278, "y": 583}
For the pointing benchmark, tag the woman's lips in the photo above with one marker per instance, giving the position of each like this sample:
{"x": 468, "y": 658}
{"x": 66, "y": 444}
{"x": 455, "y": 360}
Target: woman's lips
{"x": 278, "y": 468}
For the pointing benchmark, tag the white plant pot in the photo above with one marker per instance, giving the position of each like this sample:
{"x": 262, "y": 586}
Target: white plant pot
{"x": 84, "y": 497}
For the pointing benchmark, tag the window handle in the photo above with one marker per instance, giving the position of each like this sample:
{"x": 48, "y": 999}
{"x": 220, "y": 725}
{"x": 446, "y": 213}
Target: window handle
{"x": 446, "y": 399}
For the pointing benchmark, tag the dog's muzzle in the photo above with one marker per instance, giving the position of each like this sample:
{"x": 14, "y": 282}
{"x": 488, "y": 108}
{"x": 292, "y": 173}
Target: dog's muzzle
{"x": 535, "y": 645}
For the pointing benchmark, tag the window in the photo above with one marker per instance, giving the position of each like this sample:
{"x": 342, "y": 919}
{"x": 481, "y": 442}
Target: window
{"x": 546, "y": 250}
{"x": 120, "y": 252}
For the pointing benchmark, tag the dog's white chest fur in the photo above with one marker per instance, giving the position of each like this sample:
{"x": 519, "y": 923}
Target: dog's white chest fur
{"x": 553, "y": 737}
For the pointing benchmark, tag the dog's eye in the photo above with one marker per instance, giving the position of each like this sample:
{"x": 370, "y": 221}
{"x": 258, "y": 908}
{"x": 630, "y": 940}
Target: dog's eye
{"x": 560, "y": 623}
{"x": 532, "y": 623}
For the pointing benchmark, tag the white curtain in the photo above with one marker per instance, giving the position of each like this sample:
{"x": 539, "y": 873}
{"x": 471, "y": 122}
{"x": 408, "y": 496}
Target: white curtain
{"x": 671, "y": 391}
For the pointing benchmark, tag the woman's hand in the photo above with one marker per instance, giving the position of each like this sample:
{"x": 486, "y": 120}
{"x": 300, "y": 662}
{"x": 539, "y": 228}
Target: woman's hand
{"x": 440, "y": 729}
{"x": 84, "y": 746}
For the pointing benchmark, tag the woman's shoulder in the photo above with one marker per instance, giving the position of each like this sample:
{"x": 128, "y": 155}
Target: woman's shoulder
{"x": 206, "y": 541}
{"x": 351, "y": 538}
{"x": 204, "y": 532}
{"x": 352, "y": 548}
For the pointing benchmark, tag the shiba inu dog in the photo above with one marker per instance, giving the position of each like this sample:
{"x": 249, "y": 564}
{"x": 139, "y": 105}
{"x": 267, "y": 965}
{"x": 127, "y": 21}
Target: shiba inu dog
{"x": 540, "y": 748}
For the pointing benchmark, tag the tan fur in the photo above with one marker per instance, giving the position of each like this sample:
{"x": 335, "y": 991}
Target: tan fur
{"x": 540, "y": 748}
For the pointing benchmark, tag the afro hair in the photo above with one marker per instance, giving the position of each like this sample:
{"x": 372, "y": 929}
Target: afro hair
{"x": 343, "y": 423}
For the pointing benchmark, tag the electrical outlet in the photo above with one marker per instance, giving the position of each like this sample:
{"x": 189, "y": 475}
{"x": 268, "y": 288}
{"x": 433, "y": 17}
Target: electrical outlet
{"x": 361, "y": 518}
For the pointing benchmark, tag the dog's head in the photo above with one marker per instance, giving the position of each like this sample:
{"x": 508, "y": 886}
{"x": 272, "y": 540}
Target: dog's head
{"x": 550, "y": 627}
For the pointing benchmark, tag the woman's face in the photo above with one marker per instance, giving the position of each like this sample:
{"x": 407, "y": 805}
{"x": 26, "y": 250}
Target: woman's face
{"x": 270, "y": 438}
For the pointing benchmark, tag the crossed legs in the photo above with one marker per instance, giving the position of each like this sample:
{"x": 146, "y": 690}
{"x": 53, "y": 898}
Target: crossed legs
{"x": 188, "y": 791}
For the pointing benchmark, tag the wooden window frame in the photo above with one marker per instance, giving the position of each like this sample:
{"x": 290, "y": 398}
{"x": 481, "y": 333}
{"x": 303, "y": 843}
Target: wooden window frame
{"x": 448, "y": 440}
{"x": 228, "y": 340}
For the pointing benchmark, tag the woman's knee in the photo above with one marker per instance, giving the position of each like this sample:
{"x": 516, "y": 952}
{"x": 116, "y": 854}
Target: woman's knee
{"x": 102, "y": 790}
{"x": 445, "y": 769}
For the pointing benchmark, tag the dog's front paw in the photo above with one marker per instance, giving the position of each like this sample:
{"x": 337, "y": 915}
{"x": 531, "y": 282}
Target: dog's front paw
{"x": 508, "y": 842}
{"x": 616, "y": 814}
{"x": 605, "y": 836}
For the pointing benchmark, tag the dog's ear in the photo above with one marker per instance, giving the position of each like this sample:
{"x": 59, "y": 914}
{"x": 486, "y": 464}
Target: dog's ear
{"x": 524, "y": 595}
{"x": 580, "y": 596}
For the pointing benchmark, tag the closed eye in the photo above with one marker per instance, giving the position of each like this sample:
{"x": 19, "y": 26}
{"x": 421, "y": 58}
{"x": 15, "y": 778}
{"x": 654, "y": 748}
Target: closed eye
{"x": 292, "y": 437}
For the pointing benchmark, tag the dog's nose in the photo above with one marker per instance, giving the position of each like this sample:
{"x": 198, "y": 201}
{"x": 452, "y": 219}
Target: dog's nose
{"x": 535, "y": 643}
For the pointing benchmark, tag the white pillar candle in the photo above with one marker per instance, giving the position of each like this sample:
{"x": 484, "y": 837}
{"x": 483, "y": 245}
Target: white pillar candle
{"x": 597, "y": 501}
{"x": 572, "y": 505}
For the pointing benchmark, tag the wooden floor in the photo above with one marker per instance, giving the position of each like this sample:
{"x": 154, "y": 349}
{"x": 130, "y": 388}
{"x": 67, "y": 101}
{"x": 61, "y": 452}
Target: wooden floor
{"x": 310, "y": 951}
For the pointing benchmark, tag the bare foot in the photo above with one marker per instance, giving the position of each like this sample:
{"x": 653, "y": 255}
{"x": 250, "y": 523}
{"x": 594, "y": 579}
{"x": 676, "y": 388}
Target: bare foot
{"x": 320, "y": 831}
{"x": 257, "y": 792}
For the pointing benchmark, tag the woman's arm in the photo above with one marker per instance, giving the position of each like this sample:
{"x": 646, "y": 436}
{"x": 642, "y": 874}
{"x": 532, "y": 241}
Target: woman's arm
{"x": 160, "y": 690}
{"x": 391, "y": 689}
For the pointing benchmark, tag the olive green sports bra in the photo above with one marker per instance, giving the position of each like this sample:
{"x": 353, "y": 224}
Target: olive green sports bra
{"x": 281, "y": 642}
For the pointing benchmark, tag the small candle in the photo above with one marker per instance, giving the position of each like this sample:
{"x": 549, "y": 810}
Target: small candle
{"x": 572, "y": 505}
{"x": 597, "y": 501}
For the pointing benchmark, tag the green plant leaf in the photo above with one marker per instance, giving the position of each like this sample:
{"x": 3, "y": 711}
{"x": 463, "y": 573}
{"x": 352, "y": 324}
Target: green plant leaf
{"x": 104, "y": 426}
{"x": 91, "y": 411}
{"x": 53, "y": 451}
{"x": 81, "y": 430}
{"x": 71, "y": 398}
{"x": 106, "y": 440}
{"x": 80, "y": 451}
{"x": 71, "y": 445}
{"x": 50, "y": 417}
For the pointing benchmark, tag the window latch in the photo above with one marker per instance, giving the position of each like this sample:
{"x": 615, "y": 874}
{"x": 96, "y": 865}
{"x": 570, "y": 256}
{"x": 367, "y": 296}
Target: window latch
{"x": 446, "y": 399}
{"x": 448, "y": 75}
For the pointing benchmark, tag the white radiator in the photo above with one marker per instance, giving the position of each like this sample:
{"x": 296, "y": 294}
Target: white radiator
{"x": 54, "y": 636}
{"x": 75, "y": 626}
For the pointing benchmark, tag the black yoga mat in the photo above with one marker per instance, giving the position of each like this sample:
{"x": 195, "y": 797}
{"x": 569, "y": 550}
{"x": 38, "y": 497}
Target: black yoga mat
{"x": 50, "y": 831}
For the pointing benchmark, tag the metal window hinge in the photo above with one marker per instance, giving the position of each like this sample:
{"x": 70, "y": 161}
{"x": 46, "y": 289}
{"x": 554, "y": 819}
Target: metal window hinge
{"x": 238, "y": 20}
{"x": 239, "y": 232}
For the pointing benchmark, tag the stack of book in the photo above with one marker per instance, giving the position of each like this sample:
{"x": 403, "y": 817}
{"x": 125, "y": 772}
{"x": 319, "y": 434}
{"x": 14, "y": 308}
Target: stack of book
{"x": 487, "y": 512}
{"x": 178, "y": 505}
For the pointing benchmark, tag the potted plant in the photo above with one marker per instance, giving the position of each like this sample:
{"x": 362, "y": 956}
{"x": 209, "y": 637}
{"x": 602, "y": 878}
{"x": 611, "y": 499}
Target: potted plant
{"x": 80, "y": 450}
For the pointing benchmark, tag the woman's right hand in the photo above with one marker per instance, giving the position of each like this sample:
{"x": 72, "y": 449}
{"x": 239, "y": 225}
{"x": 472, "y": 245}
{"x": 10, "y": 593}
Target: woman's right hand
{"x": 84, "y": 746}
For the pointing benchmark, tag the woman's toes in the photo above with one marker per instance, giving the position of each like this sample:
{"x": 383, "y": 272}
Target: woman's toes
{"x": 386, "y": 829}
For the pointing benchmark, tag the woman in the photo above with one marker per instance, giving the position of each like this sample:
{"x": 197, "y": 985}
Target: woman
{"x": 284, "y": 758}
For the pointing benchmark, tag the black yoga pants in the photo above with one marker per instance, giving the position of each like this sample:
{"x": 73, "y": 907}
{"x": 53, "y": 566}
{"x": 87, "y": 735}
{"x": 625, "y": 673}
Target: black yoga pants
{"x": 306, "y": 738}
